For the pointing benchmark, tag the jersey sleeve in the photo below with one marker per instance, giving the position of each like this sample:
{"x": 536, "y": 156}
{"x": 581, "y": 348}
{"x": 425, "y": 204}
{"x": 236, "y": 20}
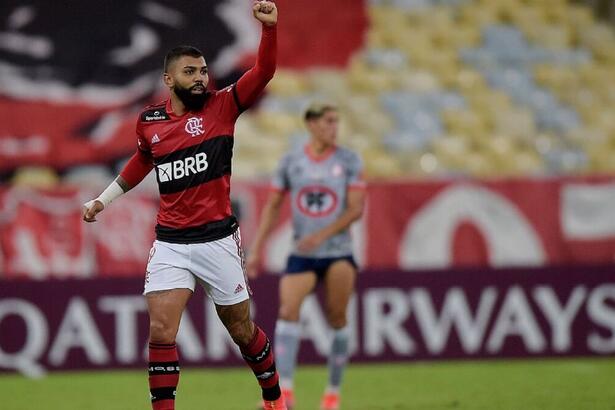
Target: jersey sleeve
{"x": 354, "y": 172}
{"x": 141, "y": 163}
{"x": 280, "y": 181}
{"x": 236, "y": 98}
{"x": 142, "y": 143}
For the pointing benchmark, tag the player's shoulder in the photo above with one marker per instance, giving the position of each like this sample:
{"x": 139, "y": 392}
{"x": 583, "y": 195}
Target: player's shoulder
{"x": 295, "y": 153}
{"x": 223, "y": 91}
{"x": 347, "y": 155}
{"x": 154, "y": 113}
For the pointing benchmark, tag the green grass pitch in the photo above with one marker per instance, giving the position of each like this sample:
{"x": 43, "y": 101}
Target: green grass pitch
{"x": 583, "y": 384}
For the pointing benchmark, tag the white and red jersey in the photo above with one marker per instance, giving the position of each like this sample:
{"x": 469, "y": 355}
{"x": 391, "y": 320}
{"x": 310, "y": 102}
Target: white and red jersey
{"x": 191, "y": 155}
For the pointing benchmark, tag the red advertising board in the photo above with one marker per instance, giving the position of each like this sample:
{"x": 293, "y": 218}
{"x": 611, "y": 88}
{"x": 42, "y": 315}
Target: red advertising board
{"x": 407, "y": 225}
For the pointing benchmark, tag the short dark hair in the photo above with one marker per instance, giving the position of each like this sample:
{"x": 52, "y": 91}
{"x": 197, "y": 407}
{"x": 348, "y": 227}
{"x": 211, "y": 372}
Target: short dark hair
{"x": 317, "y": 110}
{"x": 179, "y": 51}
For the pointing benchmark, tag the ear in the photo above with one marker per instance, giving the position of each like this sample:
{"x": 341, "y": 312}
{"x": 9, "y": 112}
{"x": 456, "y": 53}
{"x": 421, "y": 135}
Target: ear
{"x": 309, "y": 124}
{"x": 168, "y": 80}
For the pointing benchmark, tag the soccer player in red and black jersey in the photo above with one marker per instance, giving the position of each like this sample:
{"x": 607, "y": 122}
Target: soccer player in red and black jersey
{"x": 188, "y": 140}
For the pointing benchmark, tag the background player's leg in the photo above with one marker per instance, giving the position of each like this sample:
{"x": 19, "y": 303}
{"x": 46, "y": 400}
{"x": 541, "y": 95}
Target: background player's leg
{"x": 339, "y": 284}
{"x": 293, "y": 290}
{"x": 165, "y": 308}
{"x": 254, "y": 345}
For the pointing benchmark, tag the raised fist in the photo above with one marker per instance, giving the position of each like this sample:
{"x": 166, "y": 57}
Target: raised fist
{"x": 266, "y": 12}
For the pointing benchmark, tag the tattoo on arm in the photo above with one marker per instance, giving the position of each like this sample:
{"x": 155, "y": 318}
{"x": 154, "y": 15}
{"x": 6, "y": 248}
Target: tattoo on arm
{"x": 123, "y": 184}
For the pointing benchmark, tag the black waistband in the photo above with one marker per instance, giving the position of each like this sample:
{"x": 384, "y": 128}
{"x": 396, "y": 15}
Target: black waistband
{"x": 211, "y": 231}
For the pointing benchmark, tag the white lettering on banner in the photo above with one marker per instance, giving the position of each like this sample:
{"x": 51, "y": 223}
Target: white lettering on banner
{"x": 218, "y": 340}
{"x": 125, "y": 309}
{"x": 386, "y": 327}
{"x": 387, "y": 314}
{"x": 560, "y": 318}
{"x": 516, "y": 318}
{"x": 510, "y": 238}
{"x": 455, "y": 313}
{"x": 600, "y": 310}
{"x": 588, "y": 211}
{"x": 314, "y": 326}
{"x": 78, "y": 330}
{"x": 353, "y": 326}
{"x": 36, "y": 338}
{"x": 188, "y": 341}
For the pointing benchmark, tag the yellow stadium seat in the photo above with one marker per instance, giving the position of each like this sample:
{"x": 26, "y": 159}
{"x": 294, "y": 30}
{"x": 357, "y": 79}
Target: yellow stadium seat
{"x": 35, "y": 177}
{"x": 287, "y": 83}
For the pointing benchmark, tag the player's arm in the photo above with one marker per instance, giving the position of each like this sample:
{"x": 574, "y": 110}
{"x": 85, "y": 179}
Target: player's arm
{"x": 269, "y": 217}
{"x": 137, "y": 168}
{"x": 253, "y": 82}
{"x": 355, "y": 204}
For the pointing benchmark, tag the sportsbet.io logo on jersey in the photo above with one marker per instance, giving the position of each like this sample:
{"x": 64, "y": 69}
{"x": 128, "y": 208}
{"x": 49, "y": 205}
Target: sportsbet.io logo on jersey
{"x": 174, "y": 170}
{"x": 316, "y": 201}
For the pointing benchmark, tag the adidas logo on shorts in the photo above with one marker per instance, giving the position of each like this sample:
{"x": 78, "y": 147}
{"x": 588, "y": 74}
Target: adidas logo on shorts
{"x": 238, "y": 289}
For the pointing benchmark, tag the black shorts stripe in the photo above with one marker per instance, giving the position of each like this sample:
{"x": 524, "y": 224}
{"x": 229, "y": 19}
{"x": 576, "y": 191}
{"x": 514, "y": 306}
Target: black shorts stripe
{"x": 211, "y": 231}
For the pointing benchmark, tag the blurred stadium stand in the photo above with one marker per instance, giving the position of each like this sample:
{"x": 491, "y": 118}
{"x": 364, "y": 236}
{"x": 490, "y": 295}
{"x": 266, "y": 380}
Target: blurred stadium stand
{"x": 439, "y": 88}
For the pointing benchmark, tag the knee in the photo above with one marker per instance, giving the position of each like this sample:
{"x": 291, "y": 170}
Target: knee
{"x": 161, "y": 332}
{"x": 241, "y": 332}
{"x": 288, "y": 313}
{"x": 336, "y": 319}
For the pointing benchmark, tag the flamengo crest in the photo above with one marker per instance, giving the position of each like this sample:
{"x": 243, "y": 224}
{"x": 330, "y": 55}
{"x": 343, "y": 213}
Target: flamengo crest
{"x": 194, "y": 126}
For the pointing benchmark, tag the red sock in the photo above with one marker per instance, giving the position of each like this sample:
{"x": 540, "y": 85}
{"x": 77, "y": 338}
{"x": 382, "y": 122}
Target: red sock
{"x": 258, "y": 354}
{"x": 163, "y": 375}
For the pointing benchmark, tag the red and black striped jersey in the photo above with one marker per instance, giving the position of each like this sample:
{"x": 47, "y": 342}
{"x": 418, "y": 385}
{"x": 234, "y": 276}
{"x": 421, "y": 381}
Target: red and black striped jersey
{"x": 191, "y": 155}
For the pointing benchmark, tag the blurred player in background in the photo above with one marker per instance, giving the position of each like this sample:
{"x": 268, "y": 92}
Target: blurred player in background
{"x": 327, "y": 196}
{"x": 189, "y": 139}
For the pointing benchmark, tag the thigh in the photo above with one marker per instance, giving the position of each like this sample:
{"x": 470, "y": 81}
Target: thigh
{"x": 219, "y": 266}
{"x": 339, "y": 284}
{"x": 294, "y": 287}
{"x": 165, "y": 309}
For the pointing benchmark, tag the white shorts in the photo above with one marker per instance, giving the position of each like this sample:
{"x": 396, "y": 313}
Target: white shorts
{"x": 217, "y": 265}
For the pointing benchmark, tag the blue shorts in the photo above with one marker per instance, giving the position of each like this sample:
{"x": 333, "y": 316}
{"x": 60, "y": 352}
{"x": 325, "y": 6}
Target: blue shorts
{"x": 297, "y": 264}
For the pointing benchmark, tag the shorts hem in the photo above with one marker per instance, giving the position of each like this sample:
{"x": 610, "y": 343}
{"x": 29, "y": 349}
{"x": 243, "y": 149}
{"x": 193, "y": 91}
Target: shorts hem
{"x": 162, "y": 287}
{"x": 234, "y": 301}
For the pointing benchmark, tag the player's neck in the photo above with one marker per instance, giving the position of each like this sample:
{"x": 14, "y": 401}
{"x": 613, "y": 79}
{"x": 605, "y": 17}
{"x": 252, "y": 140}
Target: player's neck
{"x": 177, "y": 105}
{"x": 318, "y": 148}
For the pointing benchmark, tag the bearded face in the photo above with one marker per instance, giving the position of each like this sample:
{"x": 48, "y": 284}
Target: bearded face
{"x": 187, "y": 77}
{"x": 193, "y": 97}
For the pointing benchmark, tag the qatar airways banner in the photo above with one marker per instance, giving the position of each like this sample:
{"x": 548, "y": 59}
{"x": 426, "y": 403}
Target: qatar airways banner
{"x": 394, "y": 316}
{"x": 406, "y": 225}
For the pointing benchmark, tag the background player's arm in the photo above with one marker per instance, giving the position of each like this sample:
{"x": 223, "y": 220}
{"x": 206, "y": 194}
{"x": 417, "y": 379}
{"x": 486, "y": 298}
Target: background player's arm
{"x": 269, "y": 217}
{"x": 253, "y": 82}
{"x": 355, "y": 203}
{"x": 137, "y": 168}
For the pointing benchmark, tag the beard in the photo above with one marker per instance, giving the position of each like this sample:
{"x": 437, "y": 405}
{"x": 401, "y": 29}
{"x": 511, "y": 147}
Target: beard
{"x": 192, "y": 102}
